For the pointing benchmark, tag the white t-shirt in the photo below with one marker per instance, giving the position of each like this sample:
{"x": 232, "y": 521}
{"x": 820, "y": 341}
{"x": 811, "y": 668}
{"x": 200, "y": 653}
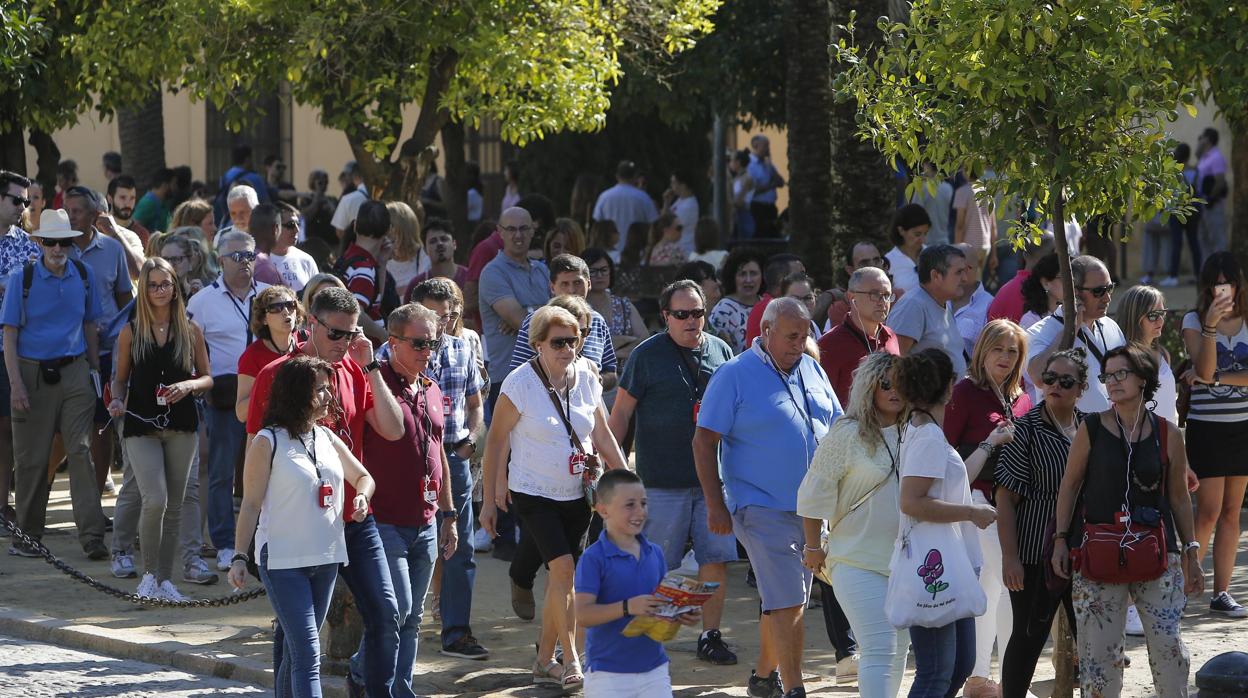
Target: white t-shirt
{"x": 348, "y": 208}
{"x": 539, "y": 442}
{"x": 1167, "y": 395}
{"x": 714, "y": 258}
{"x": 298, "y": 531}
{"x": 905, "y": 271}
{"x": 920, "y": 457}
{"x": 1105, "y": 335}
{"x": 978, "y": 215}
{"x": 404, "y": 272}
{"x": 686, "y": 211}
{"x": 296, "y": 267}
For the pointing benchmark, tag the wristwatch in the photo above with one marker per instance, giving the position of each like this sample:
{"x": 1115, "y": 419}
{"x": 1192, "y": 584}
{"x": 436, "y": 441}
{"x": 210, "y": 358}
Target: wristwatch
{"x": 466, "y": 441}
{"x": 448, "y": 515}
{"x": 1191, "y": 545}
{"x": 372, "y": 366}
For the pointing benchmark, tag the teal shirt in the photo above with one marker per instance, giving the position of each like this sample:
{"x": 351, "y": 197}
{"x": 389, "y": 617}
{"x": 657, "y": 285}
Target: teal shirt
{"x": 152, "y": 213}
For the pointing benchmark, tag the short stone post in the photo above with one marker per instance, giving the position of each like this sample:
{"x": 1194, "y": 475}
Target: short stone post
{"x": 1224, "y": 676}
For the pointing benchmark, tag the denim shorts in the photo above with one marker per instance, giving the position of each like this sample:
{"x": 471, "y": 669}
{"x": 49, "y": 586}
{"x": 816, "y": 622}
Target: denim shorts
{"x": 674, "y": 517}
{"x": 774, "y": 539}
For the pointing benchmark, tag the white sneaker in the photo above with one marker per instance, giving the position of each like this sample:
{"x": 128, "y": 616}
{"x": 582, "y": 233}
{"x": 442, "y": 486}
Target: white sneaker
{"x": 847, "y": 670}
{"x": 1146, "y": 280}
{"x": 1135, "y": 628}
{"x": 1169, "y": 282}
{"x": 148, "y": 588}
{"x": 223, "y": 559}
{"x": 481, "y": 541}
{"x": 123, "y": 566}
{"x": 169, "y": 592}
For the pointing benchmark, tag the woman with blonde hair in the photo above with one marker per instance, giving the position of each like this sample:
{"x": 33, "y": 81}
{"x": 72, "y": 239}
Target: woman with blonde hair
{"x": 852, "y": 486}
{"x": 316, "y": 283}
{"x": 988, "y": 399}
{"x": 161, "y": 361}
{"x": 182, "y": 249}
{"x": 196, "y": 213}
{"x": 565, "y": 238}
{"x": 409, "y": 259}
{"x": 1142, "y": 317}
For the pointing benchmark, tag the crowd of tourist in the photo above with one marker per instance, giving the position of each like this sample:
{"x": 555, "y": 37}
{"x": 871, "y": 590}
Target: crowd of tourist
{"x": 311, "y": 380}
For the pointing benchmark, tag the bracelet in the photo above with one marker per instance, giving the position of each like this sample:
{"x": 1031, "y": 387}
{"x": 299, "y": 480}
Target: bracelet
{"x": 987, "y": 446}
{"x": 625, "y": 606}
{"x": 809, "y": 549}
{"x": 240, "y": 557}
{"x": 1063, "y": 535}
{"x": 1209, "y": 335}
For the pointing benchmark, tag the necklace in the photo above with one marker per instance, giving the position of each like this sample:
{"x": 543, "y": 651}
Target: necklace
{"x": 1069, "y": 431}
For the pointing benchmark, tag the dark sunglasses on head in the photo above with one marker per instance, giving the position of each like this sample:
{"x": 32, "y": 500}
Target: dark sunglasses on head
{"x": 18, "y": 200}
{"x": 336, "y": 335}
{"x": 1155, "y": 315}
{"x": 282, "y": 307}
{"x": 1098, "y": 291}
{"x": 1065, "y": 381}
{"x": 241, "y": 256}
{"x": 56, "y": 242}
{"x": 564, "y": 342}
{"x": 418, "y": 344}
{"x": 698, "y": 313}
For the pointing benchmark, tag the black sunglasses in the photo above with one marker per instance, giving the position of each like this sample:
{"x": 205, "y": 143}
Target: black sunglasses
{"x": 686, "y": 314}
{"x": 282, "y": 307}
{"x": 1098, "y": 291}
{"x": 56, "y": 242}
{"x": 18, "y": 200}
{"x": 1155, "y": 315}
{"x": 241, "y": 256}
{"x": 1065, "y": 381}
{"x": 336, "y": 335}
{"x": 418, "y": 344}
{"x": 291, "y": 225}
{"x": 564, "y": 342}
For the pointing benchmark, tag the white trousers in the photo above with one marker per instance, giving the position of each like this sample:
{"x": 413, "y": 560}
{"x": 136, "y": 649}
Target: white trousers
{"x": 998, "y": 621}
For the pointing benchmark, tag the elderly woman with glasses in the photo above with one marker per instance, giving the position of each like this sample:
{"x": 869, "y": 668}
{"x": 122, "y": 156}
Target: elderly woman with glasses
{"x": 540, "y": 459}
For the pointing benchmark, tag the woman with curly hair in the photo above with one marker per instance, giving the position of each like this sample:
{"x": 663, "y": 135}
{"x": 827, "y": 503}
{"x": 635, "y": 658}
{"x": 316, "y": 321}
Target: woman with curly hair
{"x": 741, "y": 277}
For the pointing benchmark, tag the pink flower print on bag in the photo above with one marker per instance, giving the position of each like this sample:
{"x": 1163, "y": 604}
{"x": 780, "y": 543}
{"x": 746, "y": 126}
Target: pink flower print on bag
{"x": 931, "y": 570}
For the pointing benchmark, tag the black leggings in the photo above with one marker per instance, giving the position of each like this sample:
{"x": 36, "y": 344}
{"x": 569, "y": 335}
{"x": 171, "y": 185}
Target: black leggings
{"x": 835, "y": 622}
{"x": 1033, "y": 608}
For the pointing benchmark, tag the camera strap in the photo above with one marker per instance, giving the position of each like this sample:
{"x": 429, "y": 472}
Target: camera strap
{"x": 566, "y": 418}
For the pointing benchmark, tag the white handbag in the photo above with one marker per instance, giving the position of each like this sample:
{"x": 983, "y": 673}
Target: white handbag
{"x": 931, "y": 581}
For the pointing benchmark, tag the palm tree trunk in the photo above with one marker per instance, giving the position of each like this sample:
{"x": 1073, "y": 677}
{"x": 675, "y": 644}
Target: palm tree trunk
{"x": 142, "y": 133}
{"x": 47, "y": 157}
{"x": 1239, "y": 191}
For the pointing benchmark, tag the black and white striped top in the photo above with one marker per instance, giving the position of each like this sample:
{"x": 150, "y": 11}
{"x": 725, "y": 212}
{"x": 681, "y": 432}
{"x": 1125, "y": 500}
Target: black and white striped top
{"x": 1223, "y": 403}
{"x": 1032, "y": 466}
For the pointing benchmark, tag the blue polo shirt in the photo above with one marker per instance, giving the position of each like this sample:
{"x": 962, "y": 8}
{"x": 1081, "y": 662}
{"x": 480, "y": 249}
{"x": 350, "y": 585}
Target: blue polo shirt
{"x": 612, "y": 575}
{"x": 769, "y": 423}
{"x": 55, "y": 311}
{"x": 106, "y": 259}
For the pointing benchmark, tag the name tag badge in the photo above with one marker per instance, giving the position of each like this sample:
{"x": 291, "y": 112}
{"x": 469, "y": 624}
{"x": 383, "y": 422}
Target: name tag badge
{"x": 576, "y": 463}
{"x": 446, "y": 405}
{"x": 431, "y": 491}
{"x": 325, "y": 494}
{"x": 697, "y": 406}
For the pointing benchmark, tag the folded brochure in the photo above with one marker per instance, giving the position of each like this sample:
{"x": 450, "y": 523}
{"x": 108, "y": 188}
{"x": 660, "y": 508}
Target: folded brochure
{"x": 683, "y": 595}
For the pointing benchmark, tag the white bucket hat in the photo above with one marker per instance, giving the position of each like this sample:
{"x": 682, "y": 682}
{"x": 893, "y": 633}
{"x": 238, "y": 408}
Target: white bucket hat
{"x": 54, "y": 224}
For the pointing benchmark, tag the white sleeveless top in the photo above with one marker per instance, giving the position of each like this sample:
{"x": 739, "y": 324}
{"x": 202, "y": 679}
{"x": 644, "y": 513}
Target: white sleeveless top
{"x": 298, "y": 531}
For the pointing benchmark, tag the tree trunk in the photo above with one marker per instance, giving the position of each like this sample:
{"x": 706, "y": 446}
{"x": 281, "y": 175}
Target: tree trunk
{"x": 861, "y": 192}
{"x": 808, "y": 109}
{"x": 142, "y": 133}
{"x": 456, "y": 193}
{"x": 1064, "y": 657}
{"x": 1063, "y": 268}
{"x": 1238, "y": 225}
{"x": 13, "y": 152}
{"x": 47, "y": 157}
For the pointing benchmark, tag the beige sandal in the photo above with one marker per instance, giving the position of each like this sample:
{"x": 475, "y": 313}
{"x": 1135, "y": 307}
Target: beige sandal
{"x": 552, "y": 673}
{"x": 573, "y": 679}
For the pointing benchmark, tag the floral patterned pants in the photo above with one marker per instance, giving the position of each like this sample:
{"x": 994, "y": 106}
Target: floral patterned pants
{"x": 1101, "y": 614}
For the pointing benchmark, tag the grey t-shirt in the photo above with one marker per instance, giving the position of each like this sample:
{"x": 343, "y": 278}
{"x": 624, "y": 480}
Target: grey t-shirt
{"x": 659, "y": 374}
{"x": 503, "y": 277}
{"x": 918, "y": 316}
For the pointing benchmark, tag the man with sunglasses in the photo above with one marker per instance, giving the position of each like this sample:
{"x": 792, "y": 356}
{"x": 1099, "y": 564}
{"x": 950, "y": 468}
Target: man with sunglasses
{"x": 16, "y": 248}
{"x": 295, "y": 265}
{"x": 869, "y": 297}
{"x": 223, "y": 310}
{"x": 455, "y": 370}
{"x": 1095, "y": 331}
{"x": 662, "y": 387}
{"x": 51, "y": 352}
{"x": 361, "y": 397}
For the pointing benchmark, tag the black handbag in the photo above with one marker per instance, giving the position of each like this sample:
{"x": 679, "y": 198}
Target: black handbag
{"x": 224, "y": 393}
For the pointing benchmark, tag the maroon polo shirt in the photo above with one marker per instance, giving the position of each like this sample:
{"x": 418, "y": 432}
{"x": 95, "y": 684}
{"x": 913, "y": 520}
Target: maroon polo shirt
{"x": 400, "y": 468}
{"x": 842, "y": 348}
{"x": 971, "y": 415}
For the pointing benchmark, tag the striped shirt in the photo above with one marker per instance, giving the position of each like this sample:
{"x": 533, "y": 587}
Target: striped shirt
{"x": 598, "y": 347}
{"x": 1032, "y": 466}
{"x": 361, "y": 279}
{"x": 1222, "y": 403}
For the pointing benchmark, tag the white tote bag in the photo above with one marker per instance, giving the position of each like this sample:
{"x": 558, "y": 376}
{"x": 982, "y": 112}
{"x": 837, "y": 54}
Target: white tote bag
{"x": 931, "y": 582}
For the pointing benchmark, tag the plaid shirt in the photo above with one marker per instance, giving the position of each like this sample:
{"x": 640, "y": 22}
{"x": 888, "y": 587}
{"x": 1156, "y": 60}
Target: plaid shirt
{"x": 16, "y": 248}
{"x": 455, "y": 371}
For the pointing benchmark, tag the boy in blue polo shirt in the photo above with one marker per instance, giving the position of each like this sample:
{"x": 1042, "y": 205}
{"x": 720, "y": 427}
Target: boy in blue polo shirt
{"x": 615, "y": 581}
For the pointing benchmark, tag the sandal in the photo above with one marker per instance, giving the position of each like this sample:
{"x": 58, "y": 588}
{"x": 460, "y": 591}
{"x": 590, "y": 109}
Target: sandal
{"x": 573, "y": 680}
{"x": 552, "y": 673}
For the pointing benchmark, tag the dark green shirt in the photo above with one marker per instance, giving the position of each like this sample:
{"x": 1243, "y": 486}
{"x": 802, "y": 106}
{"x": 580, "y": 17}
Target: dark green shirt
{"x": 660, "y": 375}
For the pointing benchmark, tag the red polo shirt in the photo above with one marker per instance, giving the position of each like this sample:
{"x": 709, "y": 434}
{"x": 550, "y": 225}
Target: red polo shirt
{"x": 396, "y": 466}
{"x": 842, "y": 348}
{"x": 481, "y": 255}
{"x": 754, "y": 324}
{"x": 1008, "y": 303}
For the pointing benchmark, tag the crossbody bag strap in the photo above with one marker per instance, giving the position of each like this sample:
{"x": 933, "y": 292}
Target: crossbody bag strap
{"x": 573, "y": 439}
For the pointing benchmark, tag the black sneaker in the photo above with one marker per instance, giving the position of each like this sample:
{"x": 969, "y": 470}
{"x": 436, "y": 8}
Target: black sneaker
{"x": 750, "y": 580}
{"x": 466, "y": 647}
{"x": 768, "y": 687}
{"x": 713, "y": 649}
{"x": 21, "y": 549}
{"x": 799, "y": 692}
{"x": 1223, "y": 605}
{"x": 95, "y": 550}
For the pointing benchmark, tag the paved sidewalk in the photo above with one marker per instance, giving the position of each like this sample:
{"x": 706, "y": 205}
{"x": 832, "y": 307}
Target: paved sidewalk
{"x": 39, "y": 603}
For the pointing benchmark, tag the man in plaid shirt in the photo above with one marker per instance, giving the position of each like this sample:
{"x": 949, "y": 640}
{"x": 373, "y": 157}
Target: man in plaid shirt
{"x": 454, "y": 369}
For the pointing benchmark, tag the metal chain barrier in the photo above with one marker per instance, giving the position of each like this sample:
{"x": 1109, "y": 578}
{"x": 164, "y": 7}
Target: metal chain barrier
{"x": 48, "y": 557}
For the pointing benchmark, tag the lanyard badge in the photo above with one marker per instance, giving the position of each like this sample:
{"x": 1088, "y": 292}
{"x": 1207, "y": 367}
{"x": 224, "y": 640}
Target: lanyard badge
{"x": 431, "y": 490}
{"x": 325, "y": 494}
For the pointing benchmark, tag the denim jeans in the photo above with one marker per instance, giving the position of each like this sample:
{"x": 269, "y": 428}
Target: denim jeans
{"x": 943, "y": 658}
{"x": 300, "y": 598}
{"x": 368, "y": 577}
{"x": 460, "y": 572}
{"x": 226, "y": 438}
{"x": 410, "y": 552}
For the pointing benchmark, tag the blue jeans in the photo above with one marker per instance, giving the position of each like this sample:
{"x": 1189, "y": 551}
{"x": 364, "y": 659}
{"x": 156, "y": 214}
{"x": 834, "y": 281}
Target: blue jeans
{"x": 410, "y": 552}
{"x": 460, "y": 572}
{"x": 943, "y": 658}
{"x": 226, "y": 436}
{"x": 300, "y": 598}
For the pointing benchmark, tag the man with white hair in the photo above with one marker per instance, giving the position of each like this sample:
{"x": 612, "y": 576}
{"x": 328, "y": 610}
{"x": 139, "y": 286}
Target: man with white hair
{"x": 240, "y": 201}
{"x": 761, "y": 419}
{"x": 869, "y": 295}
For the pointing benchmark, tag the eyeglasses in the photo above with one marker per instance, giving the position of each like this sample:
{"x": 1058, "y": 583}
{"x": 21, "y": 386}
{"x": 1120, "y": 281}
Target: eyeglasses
{"x": 886, "y": 384}
{"x": 447, "y": 319}
{"x": 564, "y": 342}
{"x": 175, "y": 259}
{"x": 808, "y": 298}
{"x": 25, "y": 203}
{"x": 281, "y": 307}
{"x": 241, "y": 256}
{"x": 56, "y": 242}
{"x": 1064, "y": 380}
{"x": 599, "y": 271}
{"x": 336, "y": 335}
{"x": 514, "y": 229}
{"x": 418, "y": 344}
{"x": 1116, "y": 376}
{"x": 698, "y": 313}
{"x": 162, "y": 287}
{"x": 290, "y": 225}
{"x": 1155, "y": 315}
{"x": 869, "y": 262}
{"x": 877, "y": 296}
{"x": 1098, "y": 291}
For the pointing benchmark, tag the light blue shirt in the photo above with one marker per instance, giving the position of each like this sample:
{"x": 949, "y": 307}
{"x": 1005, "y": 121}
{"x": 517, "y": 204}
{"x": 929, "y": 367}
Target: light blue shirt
{"x": 764, "y": 185}
{"x": 769, "y": 424}
{"x": 107, "y": 260}
{"x": 56, "y": 309}
{"x": 625, "y": 205}
{"x": 503, "y": 277}
{"x": 930, "y": 324}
